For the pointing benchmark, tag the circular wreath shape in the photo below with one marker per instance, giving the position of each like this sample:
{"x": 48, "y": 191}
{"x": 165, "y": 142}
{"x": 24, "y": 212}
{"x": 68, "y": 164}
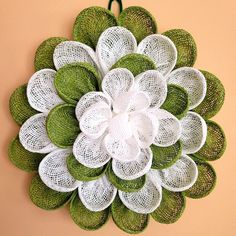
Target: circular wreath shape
{"x": 116, "y": 120}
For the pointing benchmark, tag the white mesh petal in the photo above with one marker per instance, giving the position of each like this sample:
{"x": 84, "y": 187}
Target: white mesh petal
{"x": 90, "y": 152}
{"x": 154, "y": 85}
{"x": 169, "y": 130}
{"x": 144, "y": 201}
{"x": 33, "y": 135}
{"x": 194, "y": 132}
{"x": 114, "y": 43}
{"x": 88, "y": 100}
{"x": 98, "y": 194}
{"x": 41, "y": 92}
{"x": 95, "y": 120}
{"x": 180, "y": 176}
{"x": 117, "y": 81}
{"x": 133, "y": 169}
{"x": 54, "y": 173}
{"x": 193, "y": 81}
{"x": 161, "y": 50}
{"x": 71, "y": 51}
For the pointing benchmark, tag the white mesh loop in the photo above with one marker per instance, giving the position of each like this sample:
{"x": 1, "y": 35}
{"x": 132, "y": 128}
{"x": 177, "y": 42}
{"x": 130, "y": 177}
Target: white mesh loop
{"x": 33, "y": 135}
{"x": 98, "y": 194}
{"x": 180, "y": 176}
{"x": 194, "y": 132}
{"x": 90, "y": 152}
{"x": 114, "y": 43}
{"x": 154, "y": 85}
{"x": 144, "y": 201}
{"x": 133, "y": 169}
{"x": 193, "y": 81}
{"x": 41, "y": 92}
{"x": 54, "y": 173}
{"x": 117, "y": 81}
{"x": 161, "y": 50}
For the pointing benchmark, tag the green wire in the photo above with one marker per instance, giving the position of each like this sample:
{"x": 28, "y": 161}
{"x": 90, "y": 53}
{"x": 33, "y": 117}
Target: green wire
{"x": 119, "y": 2}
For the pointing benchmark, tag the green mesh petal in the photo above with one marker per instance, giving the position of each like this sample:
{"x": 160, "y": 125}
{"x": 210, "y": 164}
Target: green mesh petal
{"x": 62, "y": 125}
{"x": 136, "y": 63}
{"x": 81, "y": 172}
{"x": 139, "y": 21}
{"x": 19, "y": 106}
{"x": 46, "y": 198}
{"x": 185, "y": 45}
{"x": 84, "y": 218}
{"x": 171, "y": 207}
{"x": 215, "y": 144}
{"x": 177, "y": 102}
{"x": 125, "y": 185}
{"x": 22, "y": 158}
{"x": 44, "y": 54}
{"x": 164, "y": 157}
{"x": 90, "y": 23}
{"x": 214, "y": 98}
{"x": 74, "y": 80}
{"x": 205, "y": 182}
{"x": 127, "y": 220}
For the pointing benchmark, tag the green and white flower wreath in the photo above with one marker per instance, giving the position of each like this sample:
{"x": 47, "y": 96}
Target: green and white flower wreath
{"x": 118, "y": 121}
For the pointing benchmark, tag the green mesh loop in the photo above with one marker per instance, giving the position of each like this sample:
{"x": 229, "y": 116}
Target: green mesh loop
{"x": 46, "y": 198}
{"x": 44, "y": 54}
{"x": 62, "y": 125}
{"x": 22, "y": 158}
{"x": 19, "y": 106}
{"x": 177, "y": 102}
{"x": 125, "y": 185}
{"x": 164, "y": 157}
{"x": 136, "y": 63}
{"x": 84, "y": 218}
{"x": 185, "y": 45}
{"x": 205, "y": 182}
{"x": 127, "y": 220}
{"x": 81, "y": 172}
{"x": 90, "y": 23}
{"x": 214, "y": 98}
{"x": 215, "y": 144}
{"x": 139, "y": 21}
{"x": 74, "y": 80}
{"x": 171, "y": 208}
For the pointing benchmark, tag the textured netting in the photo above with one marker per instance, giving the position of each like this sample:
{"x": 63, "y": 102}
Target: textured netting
{"x": 214, "y": 98}
{"x": 180, "y": 176}
{"x": 70, "y": 51}
{"x": 139, "y": 21}
{"x": 114, "y": 43}
{"x": 194, "y": 132}
{"x": 161, "y": 50}
{"x": 44, "y": 54}
{"x": 90, "y": 23}
{"x": 41, "y": 92}
{"x": 152, "y": 83}
{"x": 90, "y": 152}
{"x": 144, "y": 201}
{"x": 127, "y": 220}
{"x": 133, "y": 169}
{"x": 33, "y": 135}
{"x": 185, "y": 45}
{"x": 19, "y": 106}
{"x": 171, "y": 207}
{"x": 215, "y": 144}
{"x": 193, "y": 81}
{"x": 54, "y": 173}
{"x": 85, "y": 218}
{"x": 97, "y": 195}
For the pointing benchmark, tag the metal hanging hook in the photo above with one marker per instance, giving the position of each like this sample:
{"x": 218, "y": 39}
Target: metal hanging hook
{"x": 119, "y": 2}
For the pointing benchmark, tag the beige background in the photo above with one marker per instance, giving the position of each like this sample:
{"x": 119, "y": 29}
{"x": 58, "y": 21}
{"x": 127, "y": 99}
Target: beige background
{"x": 25, "y": 23}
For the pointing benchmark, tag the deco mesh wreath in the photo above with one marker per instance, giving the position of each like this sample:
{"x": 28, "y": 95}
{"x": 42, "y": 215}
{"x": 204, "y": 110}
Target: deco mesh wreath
{"x": 118, "y": 121}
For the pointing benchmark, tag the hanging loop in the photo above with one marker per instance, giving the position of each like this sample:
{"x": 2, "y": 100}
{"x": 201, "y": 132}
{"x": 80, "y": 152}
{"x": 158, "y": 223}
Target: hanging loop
{"x": 119, "y": 2}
